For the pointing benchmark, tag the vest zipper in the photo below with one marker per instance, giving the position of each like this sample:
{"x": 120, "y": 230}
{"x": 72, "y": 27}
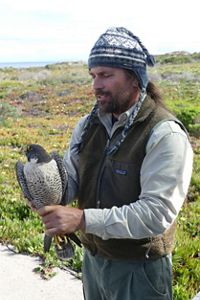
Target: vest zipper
{"x": 98, "y": 202}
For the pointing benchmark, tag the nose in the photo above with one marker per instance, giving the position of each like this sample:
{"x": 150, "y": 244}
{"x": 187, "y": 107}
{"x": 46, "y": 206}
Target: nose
{"x": 97, "y": 83}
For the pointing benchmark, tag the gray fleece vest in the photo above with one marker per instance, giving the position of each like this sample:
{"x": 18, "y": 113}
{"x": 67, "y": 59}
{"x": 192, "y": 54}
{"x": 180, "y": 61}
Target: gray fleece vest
{"x": 107, "y": 181}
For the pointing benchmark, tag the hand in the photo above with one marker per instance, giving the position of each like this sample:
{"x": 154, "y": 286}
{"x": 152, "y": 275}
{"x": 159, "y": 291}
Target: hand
{"x": 60, "y": 220}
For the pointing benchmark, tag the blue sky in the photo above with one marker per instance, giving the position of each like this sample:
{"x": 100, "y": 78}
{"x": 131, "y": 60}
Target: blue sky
{"x": 58, "y": 30}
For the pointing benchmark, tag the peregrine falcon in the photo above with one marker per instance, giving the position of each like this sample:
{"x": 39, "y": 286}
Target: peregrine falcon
{"x": 43, "y": 180}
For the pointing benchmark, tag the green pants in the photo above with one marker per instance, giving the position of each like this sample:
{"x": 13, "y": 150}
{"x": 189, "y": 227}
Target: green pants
{"x": 105, "y": 279}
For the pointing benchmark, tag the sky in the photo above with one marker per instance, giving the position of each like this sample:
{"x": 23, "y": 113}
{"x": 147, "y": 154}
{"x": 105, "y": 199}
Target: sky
{"x": 66, "y": 30}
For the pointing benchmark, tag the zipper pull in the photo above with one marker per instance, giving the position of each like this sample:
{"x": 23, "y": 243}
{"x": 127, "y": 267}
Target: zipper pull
{"x": 107, "y": 147}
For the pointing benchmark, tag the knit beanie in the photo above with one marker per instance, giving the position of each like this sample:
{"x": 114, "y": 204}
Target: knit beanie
{"x": 120, "y": 48}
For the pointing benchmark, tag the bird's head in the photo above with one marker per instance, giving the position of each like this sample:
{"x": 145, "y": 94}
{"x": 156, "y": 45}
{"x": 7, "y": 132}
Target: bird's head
{"x": 37, "y": 153}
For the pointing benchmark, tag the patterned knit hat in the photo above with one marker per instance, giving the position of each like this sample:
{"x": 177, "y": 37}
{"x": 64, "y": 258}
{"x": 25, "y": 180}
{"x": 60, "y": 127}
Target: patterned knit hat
{"x": 120, "y": 48}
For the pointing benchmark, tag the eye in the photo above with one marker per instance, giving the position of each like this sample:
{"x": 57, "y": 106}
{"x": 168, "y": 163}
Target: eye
{"x": 92, "y": 75}
{"x": 106, "y": 75}
{"x": 100, "y": 75}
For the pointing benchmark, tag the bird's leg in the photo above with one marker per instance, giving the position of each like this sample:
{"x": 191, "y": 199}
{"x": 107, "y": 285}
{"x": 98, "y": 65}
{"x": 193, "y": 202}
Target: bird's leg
{"x": 63, "y": 247}
{"x": 60, "y": 240}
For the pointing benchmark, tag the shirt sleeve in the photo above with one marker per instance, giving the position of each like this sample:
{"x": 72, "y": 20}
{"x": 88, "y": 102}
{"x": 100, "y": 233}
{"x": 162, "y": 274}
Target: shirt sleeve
{"x": 165, "y": 178}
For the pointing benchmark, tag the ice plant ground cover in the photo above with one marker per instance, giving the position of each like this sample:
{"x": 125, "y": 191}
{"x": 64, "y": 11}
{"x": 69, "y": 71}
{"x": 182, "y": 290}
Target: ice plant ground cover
{"x": 42, "y": 105}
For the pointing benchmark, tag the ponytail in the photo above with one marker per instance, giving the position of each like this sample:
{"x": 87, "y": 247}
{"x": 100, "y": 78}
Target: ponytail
{"x": 154, "y": 93}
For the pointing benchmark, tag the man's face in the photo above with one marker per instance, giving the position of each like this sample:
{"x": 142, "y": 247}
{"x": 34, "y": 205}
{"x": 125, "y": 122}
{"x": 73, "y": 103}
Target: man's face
{"x": 115, "y": 91}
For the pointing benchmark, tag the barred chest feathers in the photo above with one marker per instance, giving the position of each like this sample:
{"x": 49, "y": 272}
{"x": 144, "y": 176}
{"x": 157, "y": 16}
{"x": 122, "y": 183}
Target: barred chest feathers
{"x": 43, "y": 182}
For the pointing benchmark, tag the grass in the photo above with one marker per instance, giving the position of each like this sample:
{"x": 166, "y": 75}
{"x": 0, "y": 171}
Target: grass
{"x": 42, "y": 105}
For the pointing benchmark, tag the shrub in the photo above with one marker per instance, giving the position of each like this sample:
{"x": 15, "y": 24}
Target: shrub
{"x": 190, "y": 119}
{"x": 176, "y": 59}
{"x": 7, "y": 111}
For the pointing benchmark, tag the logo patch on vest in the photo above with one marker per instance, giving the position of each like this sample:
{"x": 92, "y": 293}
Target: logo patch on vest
{"x": 121, "y": 172}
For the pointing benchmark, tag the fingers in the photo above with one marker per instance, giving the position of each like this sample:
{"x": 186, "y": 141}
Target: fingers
{"x": 53, "y": 231}
{"x": 52, "y": 218}
{"x": 47, "y": 213}
{"x": 61, "y": 220}
{"x": 45, "y": 210}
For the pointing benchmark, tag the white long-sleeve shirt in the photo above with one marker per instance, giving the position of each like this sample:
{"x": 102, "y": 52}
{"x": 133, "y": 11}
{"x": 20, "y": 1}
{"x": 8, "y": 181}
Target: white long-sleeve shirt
{"x": 165, "y": 178}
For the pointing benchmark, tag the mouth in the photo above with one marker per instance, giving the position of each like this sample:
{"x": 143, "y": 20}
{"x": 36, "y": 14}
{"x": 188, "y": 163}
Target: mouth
{"x": 101, "y": 96}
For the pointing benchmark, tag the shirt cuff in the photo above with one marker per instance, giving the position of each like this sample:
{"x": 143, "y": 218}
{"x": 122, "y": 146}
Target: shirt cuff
{"x": 94, "y": 221}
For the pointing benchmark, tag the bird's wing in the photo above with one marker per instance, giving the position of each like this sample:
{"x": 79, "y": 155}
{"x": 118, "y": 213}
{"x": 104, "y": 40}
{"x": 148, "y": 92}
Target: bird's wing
{"x": 62, "y": 172}
{"x": 19, "y": 168}
{"x": 64, "y": 179}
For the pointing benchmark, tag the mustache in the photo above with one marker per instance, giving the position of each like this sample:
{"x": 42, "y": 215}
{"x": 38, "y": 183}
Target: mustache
{"x": 101, "y": 93}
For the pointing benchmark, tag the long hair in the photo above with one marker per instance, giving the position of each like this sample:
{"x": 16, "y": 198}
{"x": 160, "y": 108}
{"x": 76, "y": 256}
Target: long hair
{"x": 152, "y": 90}
{"x": 155, "y": 94}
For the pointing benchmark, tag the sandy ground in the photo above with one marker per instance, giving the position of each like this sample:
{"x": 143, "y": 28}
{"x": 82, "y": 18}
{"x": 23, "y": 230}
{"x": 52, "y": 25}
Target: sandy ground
{"x": 19, "y": 282}
{"x": 197, "y": 297}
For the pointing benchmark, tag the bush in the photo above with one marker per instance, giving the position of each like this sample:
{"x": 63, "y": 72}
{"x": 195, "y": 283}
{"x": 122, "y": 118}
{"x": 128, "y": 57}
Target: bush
{"x": 189, "y": 118}
{"x": 7, "y": 111}
{"x": 176, "y": 59}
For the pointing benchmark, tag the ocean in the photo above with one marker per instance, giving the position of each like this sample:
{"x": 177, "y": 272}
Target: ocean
{"x": 18, "y": 65}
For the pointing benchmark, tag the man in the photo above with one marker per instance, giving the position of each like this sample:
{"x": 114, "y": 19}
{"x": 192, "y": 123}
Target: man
{"x": 129, "y": 164}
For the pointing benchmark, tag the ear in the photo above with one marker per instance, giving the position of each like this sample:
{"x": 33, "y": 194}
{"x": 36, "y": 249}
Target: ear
{"x": 135, "y": 83}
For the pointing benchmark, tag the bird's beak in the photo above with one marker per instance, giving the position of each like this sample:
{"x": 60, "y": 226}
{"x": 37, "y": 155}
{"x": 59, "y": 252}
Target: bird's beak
{"x": 27, "y": 152}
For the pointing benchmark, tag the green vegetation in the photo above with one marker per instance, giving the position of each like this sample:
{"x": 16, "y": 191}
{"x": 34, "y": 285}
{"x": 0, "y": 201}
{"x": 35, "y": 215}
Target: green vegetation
{"x": 42, "y": 105}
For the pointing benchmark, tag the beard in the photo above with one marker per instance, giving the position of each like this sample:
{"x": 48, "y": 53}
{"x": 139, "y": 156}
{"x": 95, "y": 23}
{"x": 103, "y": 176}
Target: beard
{"x": 118, "y": 104}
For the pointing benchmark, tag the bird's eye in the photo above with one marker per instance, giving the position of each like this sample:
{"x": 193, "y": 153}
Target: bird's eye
{"x": 28, "y": 149}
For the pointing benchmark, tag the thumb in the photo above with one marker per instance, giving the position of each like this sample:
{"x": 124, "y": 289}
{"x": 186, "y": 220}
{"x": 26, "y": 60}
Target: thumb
{"x": 45, "y": 210}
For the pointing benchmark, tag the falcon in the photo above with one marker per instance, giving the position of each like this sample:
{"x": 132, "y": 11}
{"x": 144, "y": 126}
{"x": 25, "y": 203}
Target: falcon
{"x": 43, "y": 181}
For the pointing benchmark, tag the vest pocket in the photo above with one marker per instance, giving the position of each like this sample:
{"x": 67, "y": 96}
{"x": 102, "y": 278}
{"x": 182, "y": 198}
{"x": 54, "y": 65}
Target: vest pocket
{"x": 119, "y": 184}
